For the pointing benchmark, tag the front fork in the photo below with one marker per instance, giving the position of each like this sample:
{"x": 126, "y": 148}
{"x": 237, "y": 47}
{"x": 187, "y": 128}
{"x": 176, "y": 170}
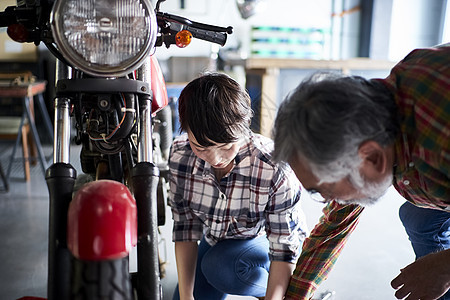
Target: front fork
{"x": 145, "y": 177}
{"x": 60, "y": 178}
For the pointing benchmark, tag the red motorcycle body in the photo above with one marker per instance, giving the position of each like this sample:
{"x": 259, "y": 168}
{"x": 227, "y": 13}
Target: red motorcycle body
{"x": 158, "y": 86}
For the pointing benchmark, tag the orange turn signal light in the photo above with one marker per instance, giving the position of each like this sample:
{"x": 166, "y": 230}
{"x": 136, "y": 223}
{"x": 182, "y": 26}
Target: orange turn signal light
{"x": 183, "y": 38}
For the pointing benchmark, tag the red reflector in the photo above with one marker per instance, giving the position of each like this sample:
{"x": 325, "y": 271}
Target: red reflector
{"x": 18, "y": 33}
{"x": 183, "y": 38}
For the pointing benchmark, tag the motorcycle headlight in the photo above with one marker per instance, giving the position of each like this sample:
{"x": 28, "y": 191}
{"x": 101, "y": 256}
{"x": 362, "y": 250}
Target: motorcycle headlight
{"x": 104, "y": 37}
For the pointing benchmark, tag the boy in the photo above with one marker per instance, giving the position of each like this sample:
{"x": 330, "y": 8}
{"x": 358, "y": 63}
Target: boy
{"x": 227, "y": 193}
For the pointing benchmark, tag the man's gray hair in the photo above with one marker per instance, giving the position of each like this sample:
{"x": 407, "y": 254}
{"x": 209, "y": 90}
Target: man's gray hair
{"x": 326, "y": 118}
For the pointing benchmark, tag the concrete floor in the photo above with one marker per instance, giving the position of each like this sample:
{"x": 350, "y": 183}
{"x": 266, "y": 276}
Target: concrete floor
{"x": 371, "y": 259}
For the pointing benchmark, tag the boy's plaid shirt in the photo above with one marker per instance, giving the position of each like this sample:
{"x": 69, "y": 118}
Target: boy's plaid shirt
{"x": 257, "y": 197}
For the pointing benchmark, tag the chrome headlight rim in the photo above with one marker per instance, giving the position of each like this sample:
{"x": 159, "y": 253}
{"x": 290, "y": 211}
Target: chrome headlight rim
{"x": 78, "y": 62}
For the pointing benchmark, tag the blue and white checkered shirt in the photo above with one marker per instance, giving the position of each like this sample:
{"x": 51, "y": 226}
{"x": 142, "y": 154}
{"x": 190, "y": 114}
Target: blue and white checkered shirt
{"x": 256, "y": 197}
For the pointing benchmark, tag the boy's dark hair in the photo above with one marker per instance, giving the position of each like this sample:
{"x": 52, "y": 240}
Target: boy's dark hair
{"x": 215, "y": 108}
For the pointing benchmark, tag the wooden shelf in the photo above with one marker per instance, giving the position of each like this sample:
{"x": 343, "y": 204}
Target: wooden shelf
{"x": 290, "y": 63}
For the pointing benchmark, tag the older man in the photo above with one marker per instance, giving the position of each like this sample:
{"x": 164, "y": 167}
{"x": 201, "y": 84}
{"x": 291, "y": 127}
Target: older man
{"x": 348, "y": 139}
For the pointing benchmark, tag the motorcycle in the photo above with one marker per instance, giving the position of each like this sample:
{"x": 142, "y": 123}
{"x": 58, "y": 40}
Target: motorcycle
{"x": 109, "y": 82}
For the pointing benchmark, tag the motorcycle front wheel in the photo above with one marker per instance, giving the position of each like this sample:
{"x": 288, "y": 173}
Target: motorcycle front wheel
{"x": 105, "y": 280}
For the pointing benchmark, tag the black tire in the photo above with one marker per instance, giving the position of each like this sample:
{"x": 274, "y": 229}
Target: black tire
{"x": 101, "y": 280}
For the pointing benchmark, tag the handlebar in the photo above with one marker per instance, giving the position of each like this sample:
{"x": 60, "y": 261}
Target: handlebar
{"x": 14, "y": 14}
{"x": 209, "y": 36}
{"x": 7, "y": 17}
{"x": 33, "y": 20}
{"x": 170, "y": 24}
{"x": 182, "y": 20}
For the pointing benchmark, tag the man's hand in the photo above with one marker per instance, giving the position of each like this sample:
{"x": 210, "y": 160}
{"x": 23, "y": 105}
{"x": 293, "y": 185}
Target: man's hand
{"x": 428, "y": 278}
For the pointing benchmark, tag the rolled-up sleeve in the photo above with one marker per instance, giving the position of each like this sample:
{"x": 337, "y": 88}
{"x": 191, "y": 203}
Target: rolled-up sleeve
{"x": 322, "y": 248}
{"x": 285, "y": 222}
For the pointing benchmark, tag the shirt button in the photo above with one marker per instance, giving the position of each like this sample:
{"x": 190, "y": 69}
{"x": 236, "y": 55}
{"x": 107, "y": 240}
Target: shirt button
{"x": 411, "y": 164}
{"x": 406, "y": 182}
{"x": 217, "y": 221}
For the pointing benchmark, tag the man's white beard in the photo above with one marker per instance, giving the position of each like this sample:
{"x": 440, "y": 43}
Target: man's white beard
{"x": 373, "y": 191}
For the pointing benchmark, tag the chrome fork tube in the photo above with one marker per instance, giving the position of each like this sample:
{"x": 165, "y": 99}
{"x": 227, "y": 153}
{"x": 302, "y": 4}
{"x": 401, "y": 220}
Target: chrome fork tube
{"x": 61, "y": 140}
{"x": 60, "y": 178}
{"x": 145, "y": 142}
{"x": 145, "y": 132}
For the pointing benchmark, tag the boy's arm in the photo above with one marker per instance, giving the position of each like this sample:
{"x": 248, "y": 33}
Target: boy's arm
{"x": 186, "y": 259}
{"x": 322, "y": 248}
{"x": 285, "y": 229}
{"x": 279, "y": 274}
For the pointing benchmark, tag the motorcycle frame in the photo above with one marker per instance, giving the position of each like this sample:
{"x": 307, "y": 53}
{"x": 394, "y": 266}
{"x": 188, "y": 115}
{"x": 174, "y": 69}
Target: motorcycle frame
{"x": 61, "y": 175}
